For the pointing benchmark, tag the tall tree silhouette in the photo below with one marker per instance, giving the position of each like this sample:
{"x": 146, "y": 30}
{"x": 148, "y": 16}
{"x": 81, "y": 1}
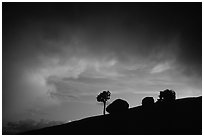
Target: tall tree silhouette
{"x": 103, "y": 97}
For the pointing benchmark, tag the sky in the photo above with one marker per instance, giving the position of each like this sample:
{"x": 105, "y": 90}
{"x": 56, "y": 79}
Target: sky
{"x": 57, "y": 57}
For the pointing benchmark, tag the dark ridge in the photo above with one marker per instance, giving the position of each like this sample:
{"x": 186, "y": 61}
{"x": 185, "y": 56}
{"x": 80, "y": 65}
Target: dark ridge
{"x": 181, "y": 117}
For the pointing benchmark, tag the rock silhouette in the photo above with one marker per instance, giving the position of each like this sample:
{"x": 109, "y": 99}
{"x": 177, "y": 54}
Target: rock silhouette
{"x": 147, "y": 101}
{"x": 117, "y": 106}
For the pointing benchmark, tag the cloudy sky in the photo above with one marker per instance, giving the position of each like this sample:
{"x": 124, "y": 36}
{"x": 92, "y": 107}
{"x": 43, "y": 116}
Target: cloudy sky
{"x": 58, "y": 57}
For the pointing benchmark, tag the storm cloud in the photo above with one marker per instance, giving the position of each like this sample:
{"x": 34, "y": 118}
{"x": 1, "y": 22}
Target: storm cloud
{"x": 54, "y": 52}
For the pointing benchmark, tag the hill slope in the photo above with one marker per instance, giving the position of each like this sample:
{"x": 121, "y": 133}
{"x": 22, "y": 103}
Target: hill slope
{"x": 184, "y": 116}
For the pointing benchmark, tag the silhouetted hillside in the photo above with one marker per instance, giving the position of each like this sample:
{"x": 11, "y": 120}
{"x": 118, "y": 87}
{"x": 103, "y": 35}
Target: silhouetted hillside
{"x": 184, "y": 116}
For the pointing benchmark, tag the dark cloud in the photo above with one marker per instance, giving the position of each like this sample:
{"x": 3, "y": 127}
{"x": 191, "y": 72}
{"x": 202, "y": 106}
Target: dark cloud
{"x": 124, "y": 29}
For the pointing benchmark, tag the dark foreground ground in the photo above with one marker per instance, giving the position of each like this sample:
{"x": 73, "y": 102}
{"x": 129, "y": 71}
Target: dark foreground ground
{"x": 183, "y": 117}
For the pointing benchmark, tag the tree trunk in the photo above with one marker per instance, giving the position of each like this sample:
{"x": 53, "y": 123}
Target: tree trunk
{"x": 104, "y": 109}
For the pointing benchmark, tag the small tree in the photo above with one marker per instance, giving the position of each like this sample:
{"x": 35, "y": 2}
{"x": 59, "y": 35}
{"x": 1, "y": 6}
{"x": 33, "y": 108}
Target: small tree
{"x": 103, "y": 97}
{"x": 167, "y": 96}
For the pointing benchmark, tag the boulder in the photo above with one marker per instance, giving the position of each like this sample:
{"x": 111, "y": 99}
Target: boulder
{"x": 117, "y": 106}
